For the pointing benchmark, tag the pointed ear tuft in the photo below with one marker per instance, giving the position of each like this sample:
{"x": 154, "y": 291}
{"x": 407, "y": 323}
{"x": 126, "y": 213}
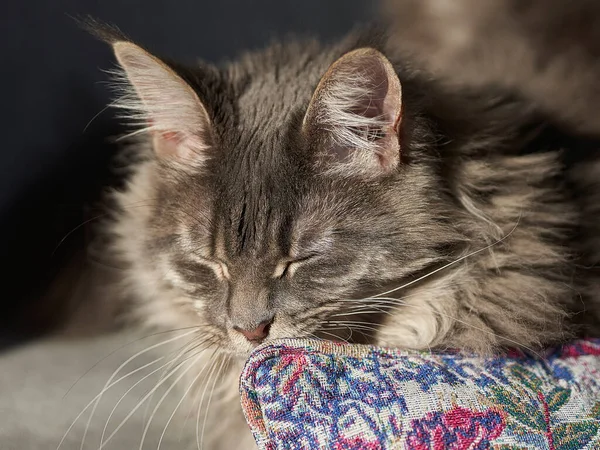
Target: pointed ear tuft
{"x": 355, "y": 114}
{"x": 103, "y": 31}
{"x": 163, "y": 104}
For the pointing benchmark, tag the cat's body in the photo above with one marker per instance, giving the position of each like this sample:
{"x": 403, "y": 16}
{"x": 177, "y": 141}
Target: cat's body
{"x": 547, "y": 50}
{"x": 329, "y": 191}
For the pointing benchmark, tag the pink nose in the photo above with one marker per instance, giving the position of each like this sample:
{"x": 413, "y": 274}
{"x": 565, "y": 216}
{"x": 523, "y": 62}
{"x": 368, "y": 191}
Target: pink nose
{"x": 257, "y": 334}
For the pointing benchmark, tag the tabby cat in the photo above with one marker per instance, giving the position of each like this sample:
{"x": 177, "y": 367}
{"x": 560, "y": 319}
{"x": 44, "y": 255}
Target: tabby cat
{"x": 339, "y": 192}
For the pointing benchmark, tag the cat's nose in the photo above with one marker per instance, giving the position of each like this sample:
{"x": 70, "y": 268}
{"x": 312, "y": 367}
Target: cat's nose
{"x": 257, "y": 334}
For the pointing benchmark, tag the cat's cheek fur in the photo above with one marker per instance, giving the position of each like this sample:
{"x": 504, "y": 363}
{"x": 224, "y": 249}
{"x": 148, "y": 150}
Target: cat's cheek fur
{"x": 143, "y": 278}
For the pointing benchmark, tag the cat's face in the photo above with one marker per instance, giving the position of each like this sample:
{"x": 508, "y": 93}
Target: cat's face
{"x": 272, "y": 261}
{"x": 277, "y": 212}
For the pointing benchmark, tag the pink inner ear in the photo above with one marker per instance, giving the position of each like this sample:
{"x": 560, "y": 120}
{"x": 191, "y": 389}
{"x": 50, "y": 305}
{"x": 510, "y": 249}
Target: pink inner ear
{"x": 170, "y": 144}
{"x": 357, "y": 105}
{"x": 167, "y": 143}
{"x": 171, "y": 136}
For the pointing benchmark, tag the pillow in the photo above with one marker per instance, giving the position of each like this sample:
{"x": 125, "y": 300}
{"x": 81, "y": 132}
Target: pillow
{"x": 305, "y": 394}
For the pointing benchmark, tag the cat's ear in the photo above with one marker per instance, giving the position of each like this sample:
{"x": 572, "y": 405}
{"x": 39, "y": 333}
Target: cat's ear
{"x": 355, "y": 112}
{"x": 165, "y": 104}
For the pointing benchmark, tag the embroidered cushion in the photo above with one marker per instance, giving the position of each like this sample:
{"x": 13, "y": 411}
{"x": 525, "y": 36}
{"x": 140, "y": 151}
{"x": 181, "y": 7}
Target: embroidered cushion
{"x": 302, "y": 394}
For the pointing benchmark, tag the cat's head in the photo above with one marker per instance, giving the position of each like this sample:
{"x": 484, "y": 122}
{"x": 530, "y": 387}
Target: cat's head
{"x": 280, "y": 191}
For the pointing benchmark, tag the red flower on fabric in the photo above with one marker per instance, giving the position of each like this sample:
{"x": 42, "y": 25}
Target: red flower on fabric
{"x": 457, "y": 429}
{"x": 580, "y": 348}
{"x": 357, "y": 443}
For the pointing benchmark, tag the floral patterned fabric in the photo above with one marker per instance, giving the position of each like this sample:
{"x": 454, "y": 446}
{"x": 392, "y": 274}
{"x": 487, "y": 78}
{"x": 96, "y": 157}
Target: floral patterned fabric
{"x": 301, "y": 394}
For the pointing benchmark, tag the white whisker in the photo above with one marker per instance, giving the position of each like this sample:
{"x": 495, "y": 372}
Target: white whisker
{"x": 352, "y": 322}
{"x": 165, "y": 366}
{"x": 212, "y": 389}
{"x": 164, "y": 396}
{"x": 362, "y": 309}
{"x": 456, "y": 261}
{"x": 186, "y": 392}
{"x": 351, "y": 328}
{"x": 103, "y": 442}
{"x": 212, "y": 367}
{"x": 114, "y": 374}
{"x": 185, "y": 348}
{"x": 100, "y": 395}
{"x": 145, "y": 377}
{"x": 335, "y": 336}
{"x": 95, "y": 117}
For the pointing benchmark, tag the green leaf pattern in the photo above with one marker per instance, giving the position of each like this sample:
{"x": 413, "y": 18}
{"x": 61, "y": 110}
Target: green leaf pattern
{"x": 533, "y": 405}
{"x": 574, "y": 435}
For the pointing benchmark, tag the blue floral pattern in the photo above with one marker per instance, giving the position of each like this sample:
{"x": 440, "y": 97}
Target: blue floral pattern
{"x": 301, "y": 394}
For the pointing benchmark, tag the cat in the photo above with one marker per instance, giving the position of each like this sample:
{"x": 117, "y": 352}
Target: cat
{"x": 334, "y": 192}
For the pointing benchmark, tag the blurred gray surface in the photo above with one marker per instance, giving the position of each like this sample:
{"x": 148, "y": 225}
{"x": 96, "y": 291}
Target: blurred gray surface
{"x": 35, "y": 413}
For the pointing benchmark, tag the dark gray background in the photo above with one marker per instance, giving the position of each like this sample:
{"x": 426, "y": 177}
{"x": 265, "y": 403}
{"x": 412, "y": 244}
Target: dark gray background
{"x": 53, "y": 160}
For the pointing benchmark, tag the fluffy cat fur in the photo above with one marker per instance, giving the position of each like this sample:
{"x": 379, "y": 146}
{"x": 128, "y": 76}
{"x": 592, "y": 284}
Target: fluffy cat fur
{"x": 335, "y": 192}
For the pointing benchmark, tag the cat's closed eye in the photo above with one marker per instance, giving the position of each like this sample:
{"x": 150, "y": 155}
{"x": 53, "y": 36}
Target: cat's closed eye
{"x": 288, "y": 267}
{"x": 219, "y": 268}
